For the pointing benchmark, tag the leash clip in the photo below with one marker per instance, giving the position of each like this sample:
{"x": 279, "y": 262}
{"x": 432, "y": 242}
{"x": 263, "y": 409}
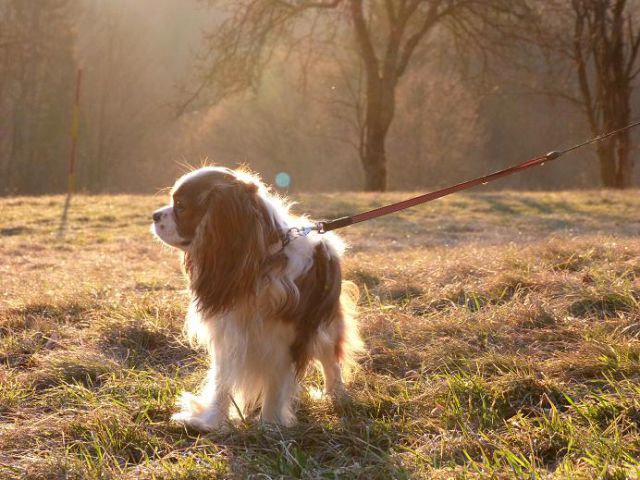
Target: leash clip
{"x": 295, "y": 232}
{"x": 552, "y": 155}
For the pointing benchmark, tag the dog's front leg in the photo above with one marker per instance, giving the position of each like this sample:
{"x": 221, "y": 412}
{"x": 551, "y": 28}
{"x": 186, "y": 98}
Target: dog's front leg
{"x": 279, "y": 391}
{"x": 210, "y": 409}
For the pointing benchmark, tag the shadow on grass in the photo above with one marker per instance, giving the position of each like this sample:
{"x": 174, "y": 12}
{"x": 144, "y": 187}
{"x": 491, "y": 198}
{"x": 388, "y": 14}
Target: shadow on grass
{"x": 604, "y": 306}
{"x": 497, "y": 205}
{"x": 549, "y": 207}
{"x": 144, "y": 345}
{"x": 353, "y": 446}
{"x": 62, "y": 228}
{"x": 31, "y": 315}
{"x": 13, "y": 231}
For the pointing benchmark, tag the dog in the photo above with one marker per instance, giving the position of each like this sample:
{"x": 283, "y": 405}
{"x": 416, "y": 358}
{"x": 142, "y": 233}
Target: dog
{"x": 265, "y": 302}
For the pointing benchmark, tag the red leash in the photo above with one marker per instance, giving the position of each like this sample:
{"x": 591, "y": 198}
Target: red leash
{"x": 326, "y": 226}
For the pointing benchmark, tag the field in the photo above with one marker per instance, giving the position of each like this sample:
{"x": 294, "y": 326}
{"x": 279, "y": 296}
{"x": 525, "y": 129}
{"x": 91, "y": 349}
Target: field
{"x": 502, "y": 332}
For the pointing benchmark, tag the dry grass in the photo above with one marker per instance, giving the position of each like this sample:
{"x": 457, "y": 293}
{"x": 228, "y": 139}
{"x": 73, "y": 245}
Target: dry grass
{"x": 503, "y": 340}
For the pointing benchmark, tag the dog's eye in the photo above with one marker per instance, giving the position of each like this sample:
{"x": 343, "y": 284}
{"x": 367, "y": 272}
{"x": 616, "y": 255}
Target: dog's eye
{"x": 178, "y": 206}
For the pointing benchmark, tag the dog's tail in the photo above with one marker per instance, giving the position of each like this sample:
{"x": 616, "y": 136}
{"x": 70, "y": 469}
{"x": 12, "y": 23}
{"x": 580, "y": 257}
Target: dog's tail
{"x": 350, "y": 345}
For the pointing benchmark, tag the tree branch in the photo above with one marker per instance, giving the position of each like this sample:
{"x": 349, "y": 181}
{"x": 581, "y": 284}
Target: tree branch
{"x": 302, "y": 5}
{"x": 432, "y": 17}
{"x": 364, "y": 39}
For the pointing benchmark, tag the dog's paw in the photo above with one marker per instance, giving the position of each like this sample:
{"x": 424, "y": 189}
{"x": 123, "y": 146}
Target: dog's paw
{"x": 341, "y": 401}
{"x": 201, "y": 423}
{"x": 190, "y": 403}
{"x": 275, "y": 421}
{"x": 195, "y": 415}
{"x": 337, "y": 394}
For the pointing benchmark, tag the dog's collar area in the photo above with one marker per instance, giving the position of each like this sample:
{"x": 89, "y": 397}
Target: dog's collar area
{"x": 297, "y": 232}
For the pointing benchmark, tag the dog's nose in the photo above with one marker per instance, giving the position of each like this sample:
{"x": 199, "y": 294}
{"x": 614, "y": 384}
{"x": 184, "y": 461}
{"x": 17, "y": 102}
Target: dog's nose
{"x": 157, "y": 216}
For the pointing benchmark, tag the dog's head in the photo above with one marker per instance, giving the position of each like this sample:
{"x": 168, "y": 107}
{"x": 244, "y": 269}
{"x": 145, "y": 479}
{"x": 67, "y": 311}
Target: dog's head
{"x": 219, "y": 218}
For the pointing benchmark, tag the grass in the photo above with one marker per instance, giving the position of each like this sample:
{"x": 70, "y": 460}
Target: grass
{"x": 502, "y": 329}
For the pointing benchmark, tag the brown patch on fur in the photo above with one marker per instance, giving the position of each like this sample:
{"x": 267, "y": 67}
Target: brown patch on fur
{"x": 189, "y": 205}
{"x": 339, "y": 347}
{"x": 230, "y": 246}
{"x": 278, "y": 294}
{"x": 319, "y": 303}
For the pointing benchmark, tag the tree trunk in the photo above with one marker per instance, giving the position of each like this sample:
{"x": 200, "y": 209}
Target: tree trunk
{"x": 625, "y": 161}
{"x": 616, "y": 165}
{"x": 607, "y": 164}
{"x": 379, "y": 115}
{"x": 374, "y": 163}
{"x": 605, "y": 75}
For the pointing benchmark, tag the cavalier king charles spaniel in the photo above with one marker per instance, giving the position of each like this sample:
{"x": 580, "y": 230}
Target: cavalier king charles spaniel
{"x": 264, "y": 303}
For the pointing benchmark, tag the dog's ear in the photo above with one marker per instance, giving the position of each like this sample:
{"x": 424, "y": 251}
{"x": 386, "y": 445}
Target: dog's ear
{"x": 230, "y": 248}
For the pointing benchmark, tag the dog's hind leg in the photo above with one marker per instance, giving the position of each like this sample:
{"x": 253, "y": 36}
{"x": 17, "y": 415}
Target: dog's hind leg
{"x": 339, "y": 344}
{"x": 331, "y": 371}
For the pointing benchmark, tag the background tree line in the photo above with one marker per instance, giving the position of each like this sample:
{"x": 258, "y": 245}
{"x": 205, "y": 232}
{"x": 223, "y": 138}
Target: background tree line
{"x": 400, "y": 94}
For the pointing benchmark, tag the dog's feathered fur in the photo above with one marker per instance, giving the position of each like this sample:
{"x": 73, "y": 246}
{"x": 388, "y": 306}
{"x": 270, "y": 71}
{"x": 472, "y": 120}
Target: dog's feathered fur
{"x": 264, "y": 309}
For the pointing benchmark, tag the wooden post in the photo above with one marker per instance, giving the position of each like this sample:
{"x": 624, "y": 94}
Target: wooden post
{"x": 74, "y": 133}
{"x": 75, "y": 130}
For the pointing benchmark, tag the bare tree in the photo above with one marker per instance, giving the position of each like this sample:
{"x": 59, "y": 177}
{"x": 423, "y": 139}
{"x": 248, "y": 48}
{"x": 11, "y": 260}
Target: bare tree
{"x": 606, "y": 41}
{"x": 36, "y": 91}
{"x": 439, "y": 133}
{"x": 120, "y": 89}
{"x": 591, "y": 49}
{"x": 387, "y": 34}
